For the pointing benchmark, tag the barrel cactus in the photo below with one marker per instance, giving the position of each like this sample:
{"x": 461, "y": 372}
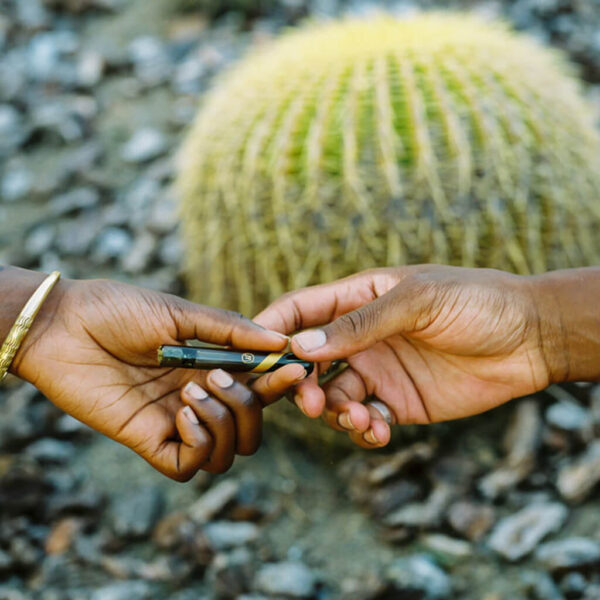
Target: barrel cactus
{"x": 354, "y": 144}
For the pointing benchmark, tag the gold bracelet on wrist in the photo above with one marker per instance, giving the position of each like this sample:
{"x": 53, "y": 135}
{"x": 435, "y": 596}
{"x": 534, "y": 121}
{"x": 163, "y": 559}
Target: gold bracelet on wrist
{"x": 23, "y": 324}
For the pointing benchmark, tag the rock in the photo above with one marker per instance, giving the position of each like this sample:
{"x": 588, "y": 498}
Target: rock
{"x": 393, "y": 496}
{"x": 540, "y": 586}
{"x": 230, "y": 575}
{"x": 86, "y": 501}
{"x": 16, "y": 184}
{"x": 423, "y": 515}
{"x": 571, "y": 553}
{"x": 31, "y": 14}
{"x": 139, "y": 257}
{"x": 46, "y": 53}
{"x": 75, "y": 237}
{"x": 13, "y": 131}
{"x": 224, "y": 535}
{"x": 90, "y": 68}
{"x": 62, "y": 534}
{"x": 395, "y": 464}
{"x": 521, "y": 442}
{"x": 112, "y": 243}
{"x": 144, "y": 145}
{"x": 517, "y": 535}
{"x": 292, "y": 579}
{"x": 6, "y": 563}
{"x": 49, "y": 451}
{"x": 214, "y": 501}
{"x": 171, "y": 251}
{"x": 419, "y": 577}
{"x": 470, "y": 519}
{"x": 163, "y": 218}
{"x": 573, "y": 585}
{"x": 124, "y": 590}
{"x": 577, "y": 480}
{"x": 448, "y": 550}
{"x": 40, "y": 240}
{"x": 568, "y": 416}
{"x": 135, "y": 513}
{"x": 74, "y": 201}
{"x": 150, "y": 59}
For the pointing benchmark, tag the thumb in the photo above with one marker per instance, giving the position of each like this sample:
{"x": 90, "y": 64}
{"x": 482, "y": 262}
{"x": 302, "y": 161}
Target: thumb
{"x": 223, "y": 327}
{"x": 397, "y": 311}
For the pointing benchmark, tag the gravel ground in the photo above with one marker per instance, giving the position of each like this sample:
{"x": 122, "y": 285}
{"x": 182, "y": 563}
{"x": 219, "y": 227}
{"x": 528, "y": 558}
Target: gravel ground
{"x": 95, "y": 96}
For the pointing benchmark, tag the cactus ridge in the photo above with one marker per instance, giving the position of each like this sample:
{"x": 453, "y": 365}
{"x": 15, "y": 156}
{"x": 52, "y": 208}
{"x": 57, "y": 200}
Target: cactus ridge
{"x": 349, "y": 145}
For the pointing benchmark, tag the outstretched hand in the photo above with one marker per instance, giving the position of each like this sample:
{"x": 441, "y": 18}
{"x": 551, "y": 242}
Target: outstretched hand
{"x": 93, "y": 352}
{"x": 432, "y": 342}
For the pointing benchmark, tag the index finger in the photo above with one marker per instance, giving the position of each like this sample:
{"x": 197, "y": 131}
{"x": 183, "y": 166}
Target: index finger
{"x": 321, "y": 304}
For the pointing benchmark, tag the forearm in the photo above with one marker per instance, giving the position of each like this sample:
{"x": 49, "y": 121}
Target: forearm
{"x": 569, "y": 318}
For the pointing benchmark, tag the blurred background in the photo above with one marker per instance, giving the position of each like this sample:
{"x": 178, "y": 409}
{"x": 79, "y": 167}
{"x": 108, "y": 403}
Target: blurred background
{"x": 95, "y": 97}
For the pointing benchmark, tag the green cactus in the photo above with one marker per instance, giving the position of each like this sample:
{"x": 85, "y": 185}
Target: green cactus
{"x": 355, "y": 144}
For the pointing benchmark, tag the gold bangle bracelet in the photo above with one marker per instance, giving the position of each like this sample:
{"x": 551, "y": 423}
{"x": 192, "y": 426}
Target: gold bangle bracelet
{"x": 23, "y": 324}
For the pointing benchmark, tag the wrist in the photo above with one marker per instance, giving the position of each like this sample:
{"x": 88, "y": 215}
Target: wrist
{"x": 16, "y": 288}
{"x": 568, "y": 312}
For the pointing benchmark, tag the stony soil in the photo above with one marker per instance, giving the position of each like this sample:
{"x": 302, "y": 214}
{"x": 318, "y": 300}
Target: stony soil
{"x": 95, "y": 96}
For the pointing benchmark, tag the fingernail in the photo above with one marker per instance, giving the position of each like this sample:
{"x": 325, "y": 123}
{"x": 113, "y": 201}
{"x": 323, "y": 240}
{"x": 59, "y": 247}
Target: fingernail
{"x": 345, "y": 421}
{"x": 311, "y": 340}
{"x": 299, "y": 372}
{"x": 194, "y": 391}
{"x": 369, "y": 437}
{"x": 190, "y": 415}
{"x": 298, "y": 403}
{"x": 280, "y": 335}
{"x": 221, "y": 378}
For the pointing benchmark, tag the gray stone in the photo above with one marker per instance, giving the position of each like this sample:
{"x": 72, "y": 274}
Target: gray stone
{"x": 135, "y": 513}
{"x": 40, "y": 240}
{"x": 573, "y": 585}
{"x": 230, "y": 574}
{"x": 171, "y": 251}
{"x": 213, "y": 501}
{"x": 112, "y": 243}
{"x": 540, "y": 586}
{"x": 150, "y": 59}
{"x": 144, "y": 145}
{"x": 470, "y": 519}
{"x": 568, "y": 416}
{"x": 90, "y": 68}
{"x": 13, "y": 131}
{"x": 16, "y": 184}
{"x": 425, "y": 514}
{"x": 76, "y": 236}
{"x": 163, "y": 218}
{"x": 449, "y": 550}
{"x": 293, "y": 579}
{"x": 46, "y": 52}
{"x": 571, "y": 553}
{"x": 31, "y": 14}
{"x": 74, "y": 201}
{"x": 517, "y": 535}
{"x": 577, "y": 479}
{"x": 51, "y": 451}
{"x": 223, "y": 535}
{"x": 139, "y": 257}
{"x": 125, "y": 590}
{"x": 420, "y": 576}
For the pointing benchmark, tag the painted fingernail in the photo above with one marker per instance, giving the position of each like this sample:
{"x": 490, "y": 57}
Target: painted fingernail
{"x": 298, "y": 402}
{"x": 311, "y": 340}
{"x": 370, "y": 438}
{"x": 345, "y": 421}
{"x": 221, "y": 378}
{"x": 194, "y": 391}
{"x": 190, "y": 415}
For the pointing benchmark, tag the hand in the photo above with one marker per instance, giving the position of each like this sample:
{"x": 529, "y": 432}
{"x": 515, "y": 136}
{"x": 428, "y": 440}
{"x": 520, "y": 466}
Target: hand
{"x": 433, "y": 343}
{"x": 93, "y": 351}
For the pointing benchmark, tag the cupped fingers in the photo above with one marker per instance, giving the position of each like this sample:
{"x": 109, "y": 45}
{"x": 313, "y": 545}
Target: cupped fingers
{"x": 377, "y": 435}
{"x": 196, "y": 443}
{"x": 244, "y": 407}
{"x": 344, "y": 409}
{"x": 218, "y": 421}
